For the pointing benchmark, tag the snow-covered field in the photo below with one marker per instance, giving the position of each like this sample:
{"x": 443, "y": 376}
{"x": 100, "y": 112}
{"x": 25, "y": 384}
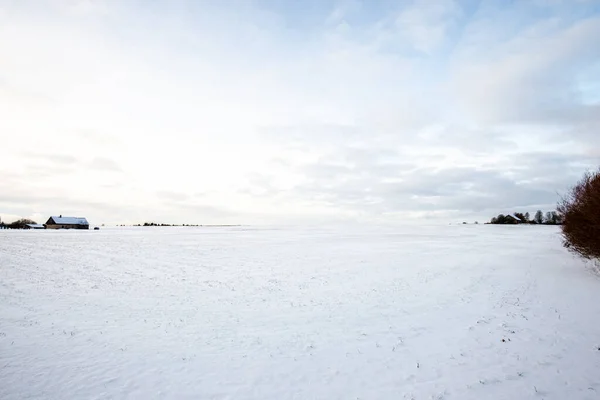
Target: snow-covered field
{"x": 450, "y": 312}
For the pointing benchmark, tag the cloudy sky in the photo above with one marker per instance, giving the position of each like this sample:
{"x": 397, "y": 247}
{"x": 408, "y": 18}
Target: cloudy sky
{"x": 266, "y": 111}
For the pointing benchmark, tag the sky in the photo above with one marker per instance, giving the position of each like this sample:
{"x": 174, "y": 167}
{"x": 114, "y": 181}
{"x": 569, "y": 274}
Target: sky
{"x": 295, "y": 111}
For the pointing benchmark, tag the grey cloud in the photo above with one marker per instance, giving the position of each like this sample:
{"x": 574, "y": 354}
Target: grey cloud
{"x": 95, "y": 137}
{"x": 555, "y": 170}
{"x": 49, "y": 158}
{"x": 172, "y": 196}
{"x": 260, "y": 185}
{"x": 429, "y": 190}
{"x": 582, "y": 124}
{"x": 39, "y": 165}
{"x": 312, "y": 134}
{"x": 179, "y": 207}
{"x": 204, "y": 214}
{"x": 364, "y": 183}
{"x": 46, "y": 171}
{"x": 104, "y": 164}
{"x": 45, "y": 165}
{"x": 113, "y": 185}
{"x": 463, "y": 189}
{"x": 22, "y": 202}
{"x": 22, "y": 95}
{"x": 531, "y": 78}
{"x": 426, "y": 27}
{"x": 511, "y": 80}
{"x": 471, "y": 141}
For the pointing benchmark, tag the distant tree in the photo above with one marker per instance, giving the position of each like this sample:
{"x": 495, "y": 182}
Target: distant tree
{"x": 539, "y": 217}
{"x": 494, "y": 220}
{"x": 549, "y": 218}
{"x": 20, "y": 223}
{"x": 521, "y": 216}
{"x": 527, "y": 216}
{"x": 580, "y": 214}
{"x": 558, "y": 218}
{"x": 555, "y": 218}
{"x": 501, "y": 219}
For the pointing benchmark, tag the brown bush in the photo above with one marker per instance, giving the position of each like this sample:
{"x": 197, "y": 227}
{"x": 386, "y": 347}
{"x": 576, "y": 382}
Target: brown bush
{"x": 580, "y": 210}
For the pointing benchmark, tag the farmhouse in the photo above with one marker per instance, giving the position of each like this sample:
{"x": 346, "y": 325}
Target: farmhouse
{"x": 60, "y": 222}
{"x": 512, "y": 220}
{"x": 33, "y": 226}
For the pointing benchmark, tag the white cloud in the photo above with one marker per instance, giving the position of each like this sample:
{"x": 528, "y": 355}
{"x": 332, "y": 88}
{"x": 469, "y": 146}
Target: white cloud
{"x": 426, "y": 23}
{"x": 532, "y": 76}
{"x": 157, "y": 102}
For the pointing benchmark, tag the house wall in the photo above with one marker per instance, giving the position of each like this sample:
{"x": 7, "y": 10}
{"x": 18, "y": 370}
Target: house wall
{"x": 67, "y": 226}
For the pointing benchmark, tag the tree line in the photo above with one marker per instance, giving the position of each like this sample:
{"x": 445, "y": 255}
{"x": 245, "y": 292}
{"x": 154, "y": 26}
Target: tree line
{"x": 578, "y": 213}
{"x": 18, "y": 224}
{"x": 539, "y": 218}
{"x": 156, "y": 224}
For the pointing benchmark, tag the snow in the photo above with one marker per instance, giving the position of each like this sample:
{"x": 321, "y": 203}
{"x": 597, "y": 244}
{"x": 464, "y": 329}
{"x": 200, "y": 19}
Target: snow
{"x": 450, "y": 312}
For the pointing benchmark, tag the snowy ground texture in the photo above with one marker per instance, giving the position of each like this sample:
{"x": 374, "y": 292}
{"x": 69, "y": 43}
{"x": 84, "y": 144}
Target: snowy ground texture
{"x": 451, "y": 312}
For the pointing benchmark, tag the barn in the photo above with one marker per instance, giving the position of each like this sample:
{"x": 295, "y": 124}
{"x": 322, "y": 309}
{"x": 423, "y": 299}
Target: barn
{"x": 33, "y": 226}
{"x": 60, "y": 222}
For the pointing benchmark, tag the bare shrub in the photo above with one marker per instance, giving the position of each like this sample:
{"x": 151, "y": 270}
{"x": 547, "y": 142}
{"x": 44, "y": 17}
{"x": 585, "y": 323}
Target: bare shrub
{"x": 580, "y": 210}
